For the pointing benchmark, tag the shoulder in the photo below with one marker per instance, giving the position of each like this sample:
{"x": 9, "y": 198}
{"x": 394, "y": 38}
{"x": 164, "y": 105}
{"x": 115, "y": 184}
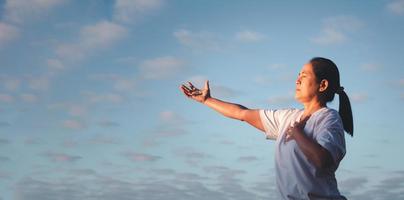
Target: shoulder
{"x": 328, "y": 116}
{"x": 281, "y": 112}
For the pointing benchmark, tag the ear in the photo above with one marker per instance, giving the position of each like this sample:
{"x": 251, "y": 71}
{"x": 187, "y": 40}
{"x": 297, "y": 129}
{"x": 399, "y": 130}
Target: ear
{"x": 323, "y": 85}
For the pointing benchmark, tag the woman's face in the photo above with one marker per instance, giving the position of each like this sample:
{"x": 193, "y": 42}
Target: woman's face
{"x": 307, "y": 88}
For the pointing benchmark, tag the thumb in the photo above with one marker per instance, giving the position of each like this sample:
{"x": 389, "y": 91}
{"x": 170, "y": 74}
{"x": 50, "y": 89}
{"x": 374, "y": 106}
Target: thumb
{"x": 206, "y": 84}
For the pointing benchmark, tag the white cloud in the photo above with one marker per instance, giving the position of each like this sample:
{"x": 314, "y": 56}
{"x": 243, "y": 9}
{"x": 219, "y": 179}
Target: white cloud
{"x": 29, "y": 98}
{"x": 263, "y": 80}
{"x": 282, "y": 100}
{"x": 39, "y": 83}
{"x": 249, "y": 36}
{"x": 172, "y": 118}
{"x": 197, "y": 41}
{"x": 73, "y": 109}
{"x": 400, "y": 82}
{"x": 4, "y": 141}
{"x": 103, "y": 98}
{"x": 102, "y": 34}
{"x": 77, "y": 110}
{"x": 330, "y": 36}
{"x": 74, "y": 124}
{"x": 10, "y": 83}
{"x": 223, "y": 91}
{"x": 103, "y": 139}
{"x": 124, "y": 85}
{"x": 119, "y": 82}
{"x": 55, "y": 64}
{"x": 92, "y": 37}
{"x": 247, "y": 158}
{"x": 359, "y": 97}
{"x": 19, "y": 10}
{"x": 7, "y": 33}
{"x": 129, "y": 11}
{"x": 108, "y": 123}
{"x": 335, "y": 30}
{"x": 141, "y": 157}
{"x": 6, "y": 98}
{"x": 369, "y": 67}
{"x": 4, "y": 159}
{"x": 161, "y": 68}
{"x": 396, "y": 7}
{"x": 4, "y": 124}
{"x": 61, "y": 157}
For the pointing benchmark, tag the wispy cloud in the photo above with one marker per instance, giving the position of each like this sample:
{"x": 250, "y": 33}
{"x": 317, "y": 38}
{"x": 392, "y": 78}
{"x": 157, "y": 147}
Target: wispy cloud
{"x": 18, "y": 11}
{"x": 29, "y": 98}
{"x": 247, "y": 158}
{"x": 119, "y": 82}
{"x": 108, "y": 123}
{"x": 109, "y": 97}
{"x": 192, "y": 157}
{"x": 10, "y": 83}
{"x": 4, "y": 124}
{"x": 282, "y": 100}
{"x": 4, "y": 141}
{"x": 161, "y": 67}
{"x": 250, "y": 36}
{"x": 224, "y": 91}
{"x": 129, "y": 11}
{"x": 38, "y": 82}
{"x": 370, "y": 67}
{"x": 396, "y": 7}
{"x": 72, "y": 109}
{"x": 61, "y": 157}
{"x": 104, "y": 139}
{"x": 141, "y": 157}
{"x": 335, "y": 30}
{"x": 171, "y": 124}
{"x": 182, "y": 187}
{"x": 4, "y": 159}
{"x": 92, "y": 37}
{"x": 359, "y": 97}
{"x": 197, "y": 40}
{"x": 6, "y": 98}
{"x": 7, "y": 33}
{"x": 74, "y": 124}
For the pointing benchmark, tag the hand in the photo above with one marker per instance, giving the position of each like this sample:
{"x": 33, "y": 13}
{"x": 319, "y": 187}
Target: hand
{"x": 297, "y": 127}
{"x": 195, "y": 93}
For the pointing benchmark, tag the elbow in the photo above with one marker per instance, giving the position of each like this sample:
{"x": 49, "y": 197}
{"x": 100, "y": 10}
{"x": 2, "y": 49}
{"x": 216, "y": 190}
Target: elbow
{"x": 322, "y": 161}
{"x": 242, "y": 114}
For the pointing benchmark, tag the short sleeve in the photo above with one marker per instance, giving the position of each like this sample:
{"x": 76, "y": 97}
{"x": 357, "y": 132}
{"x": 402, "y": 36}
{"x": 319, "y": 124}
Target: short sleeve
{"x": 273, "y": 119}
{"x": 331, "y": 137}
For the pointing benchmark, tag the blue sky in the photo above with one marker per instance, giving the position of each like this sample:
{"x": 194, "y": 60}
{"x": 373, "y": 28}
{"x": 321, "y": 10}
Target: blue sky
{"x": 90, "y": 106}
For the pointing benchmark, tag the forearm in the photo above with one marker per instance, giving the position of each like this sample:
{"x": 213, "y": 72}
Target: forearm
{"x": 314, "y": 152}
{"x": 227, "y": 109}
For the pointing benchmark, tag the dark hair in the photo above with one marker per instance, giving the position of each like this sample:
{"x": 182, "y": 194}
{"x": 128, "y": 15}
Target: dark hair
{"x": 326, "y": 69}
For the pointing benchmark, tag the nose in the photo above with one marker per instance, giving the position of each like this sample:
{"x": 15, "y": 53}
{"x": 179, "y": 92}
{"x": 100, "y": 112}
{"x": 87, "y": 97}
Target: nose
{"x": 298, "y": 80}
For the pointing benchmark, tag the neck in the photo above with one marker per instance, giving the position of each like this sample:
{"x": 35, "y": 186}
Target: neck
{"x": 311, "y": 107}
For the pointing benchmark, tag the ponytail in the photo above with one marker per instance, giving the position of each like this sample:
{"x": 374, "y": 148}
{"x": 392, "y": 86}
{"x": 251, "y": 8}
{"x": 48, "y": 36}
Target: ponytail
{"x": 326, "y": 69}
{"x": 345, "y": 112}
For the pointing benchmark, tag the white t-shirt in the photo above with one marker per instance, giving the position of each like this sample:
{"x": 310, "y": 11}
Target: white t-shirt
{"x": 297, "y": 177}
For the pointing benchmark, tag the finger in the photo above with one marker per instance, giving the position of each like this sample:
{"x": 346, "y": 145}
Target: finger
{"x": 206, "y": 84}
{"x": 191, "y": 86}
{"x": 186, "y": 88}
{"x": 185, "y": 92}
{"x": 304, "y": 120}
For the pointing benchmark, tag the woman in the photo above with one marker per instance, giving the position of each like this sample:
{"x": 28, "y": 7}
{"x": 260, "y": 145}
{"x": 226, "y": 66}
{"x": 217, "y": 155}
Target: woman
{"x": 310, "y": 142}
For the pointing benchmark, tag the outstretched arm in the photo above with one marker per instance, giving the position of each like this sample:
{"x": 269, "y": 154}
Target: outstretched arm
{"x": 231, "y": 110}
